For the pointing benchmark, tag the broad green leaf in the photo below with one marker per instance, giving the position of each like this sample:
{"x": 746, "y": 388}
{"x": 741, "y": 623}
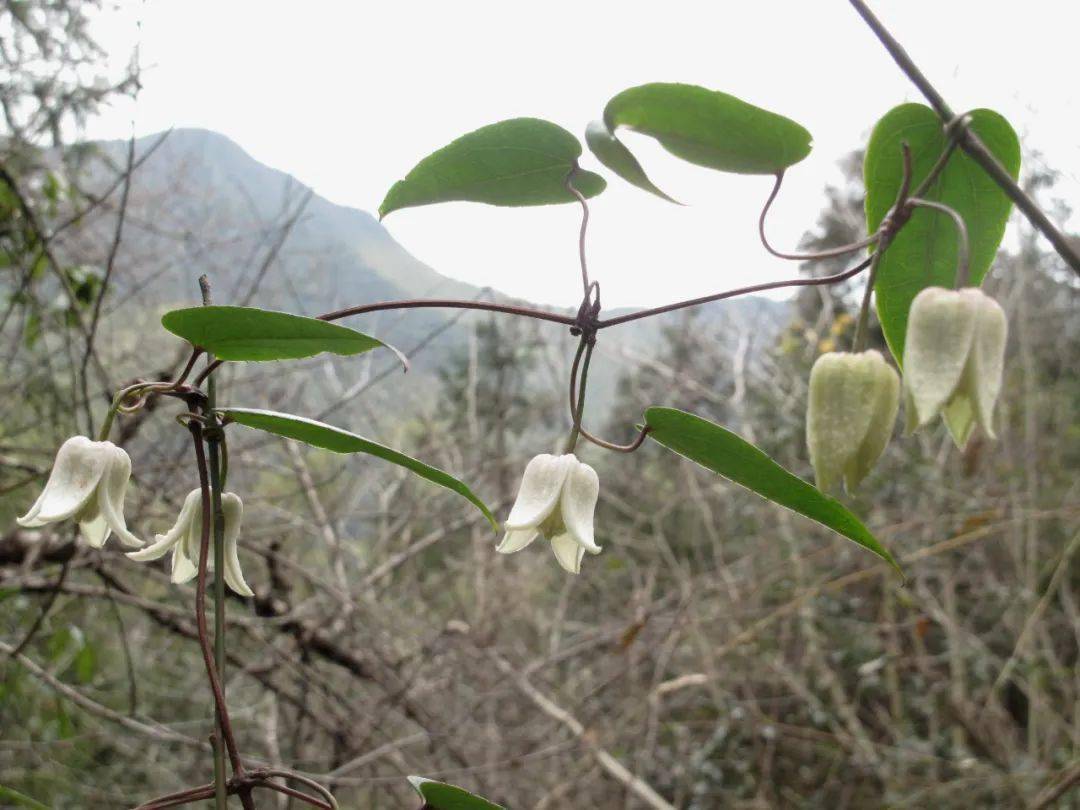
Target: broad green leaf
{"x": 721, "y": 451}
{"x": 710, "y": 128}
{"x": 441, "y": 796}
{"x": 924, "y": 252}
{"x": 247, "y": 333}
{"x": 613, "y": 153}
{"x": 20, "y": 799}
{"x": 523, "y": 161}
{"x": 328, "y": 437}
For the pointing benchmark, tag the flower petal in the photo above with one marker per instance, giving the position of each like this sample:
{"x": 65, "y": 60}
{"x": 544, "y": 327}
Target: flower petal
{"x": 568, "y": 552}
{"x": 941, "y": 327}
{"x": 886, "y": 403}
{"x": 539, "y": 492}
{"x": 111, "y": 495}
{"x": 79, "y": 466}
{"x": 516, "y": 540}
{"x": 959, "y": 418}
{"x": 92, "y": 525}
{"x": 233, "y": 509}
{"x": 578, "y": 503}
{"x": 164, "y": 542}
{"x": 186, "y": 555}
{"x": 987, "y": 362}
{"x": 183, "y": 569}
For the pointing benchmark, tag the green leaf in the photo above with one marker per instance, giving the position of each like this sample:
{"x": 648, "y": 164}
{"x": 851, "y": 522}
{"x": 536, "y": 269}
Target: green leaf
{"x": 247, "y": 333}
{"x": 441, "y": 796}
{"x": 328, "y": 437}
{"x": 523, "y": 161}
{"x": 924, "y": 252}
{"x": 721, "y": 451}
{"x": 21, "y": 799}
{"x": 613, "y": 153}
{"x": 710, "y": 128}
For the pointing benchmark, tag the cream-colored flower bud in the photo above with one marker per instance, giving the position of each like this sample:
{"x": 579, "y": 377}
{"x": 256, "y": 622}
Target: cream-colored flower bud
{"x": 88, "y": 482}
{"x": 850, "y": 414}
{"x": 557, "y": 499}
{"x": 954, "y": 356}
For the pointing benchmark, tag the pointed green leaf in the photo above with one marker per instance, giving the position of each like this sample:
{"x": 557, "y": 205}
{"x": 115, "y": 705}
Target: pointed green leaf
{"x": 613, "y": 153}
{"x": 247, "y": 333}
{"x": 328, "y": 437}
{"x": 523, "y": 161}
{"x": 710, "y": 128}
{"x": 924, "y": 252}
{"x": 20, "y": 799}
{"x": 721, "y": 451}
{"x": 442, "y": 796}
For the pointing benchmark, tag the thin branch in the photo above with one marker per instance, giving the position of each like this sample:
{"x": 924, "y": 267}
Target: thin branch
{"x": 970, "y": 142}
{"x": 160, "y": 733}
{"x": 39, "y": 620}
{"x": 110, "y": 266}
{"x": 635, "y": 784}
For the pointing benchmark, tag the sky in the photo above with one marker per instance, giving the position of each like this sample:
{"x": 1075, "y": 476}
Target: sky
{"x": 348, "y": 96}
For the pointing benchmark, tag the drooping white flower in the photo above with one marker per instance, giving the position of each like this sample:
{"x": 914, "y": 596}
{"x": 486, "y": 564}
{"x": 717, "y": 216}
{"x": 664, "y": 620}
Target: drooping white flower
{"x": 184, "y": 540}
{"x": 954, "y": 356}
{"x": 853, "y": 401}
{"x": 557, "y": 499}
{"x": 88, "y": 482}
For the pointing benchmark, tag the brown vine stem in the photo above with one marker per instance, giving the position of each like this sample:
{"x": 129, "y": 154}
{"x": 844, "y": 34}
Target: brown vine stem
{"x": 577, "y": 402}
{"x": 963, "y": 251}
{"x": 831, "y": 253}
{"x": 582, "y": 232}
{"x": 221, "y": 708}
{"x": 753, "y": 288}
{"x": 969, "y": 141}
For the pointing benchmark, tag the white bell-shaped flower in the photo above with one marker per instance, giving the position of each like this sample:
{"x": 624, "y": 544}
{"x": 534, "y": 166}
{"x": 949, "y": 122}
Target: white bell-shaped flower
{"x": 954, "y": 356}
{"x": 557, "y": 499}
{"x": 852, "y": 405}
{"x": 185, "y": 538}
{"x": 88, "y": 482}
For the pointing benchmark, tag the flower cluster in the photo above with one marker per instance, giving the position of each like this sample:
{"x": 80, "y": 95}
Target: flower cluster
{"x": 953, "y": 362}
{"x": 88, "y": 482}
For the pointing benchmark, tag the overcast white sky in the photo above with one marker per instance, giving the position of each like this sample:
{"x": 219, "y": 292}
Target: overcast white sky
{"x": 348, "y": 96}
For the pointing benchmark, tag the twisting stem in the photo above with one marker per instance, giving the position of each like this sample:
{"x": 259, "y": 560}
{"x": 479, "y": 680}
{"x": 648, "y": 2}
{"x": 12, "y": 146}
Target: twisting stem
{"x": 862, "y": 328}
{"x": 970, "y": 142}
{"x": 577, "y": 402}
{"x": 575, "y": 408}
{"x": 220, "y": 793}
{"x": 219, "y": 557}
{"x": 963, "y": 251}
{"x": 831, "y": 253}
{"x": 890, "y": 226}
{"x": 221, "y": 709}
{"x": 303, "y": 780}
{"x": 581, "y": 234}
